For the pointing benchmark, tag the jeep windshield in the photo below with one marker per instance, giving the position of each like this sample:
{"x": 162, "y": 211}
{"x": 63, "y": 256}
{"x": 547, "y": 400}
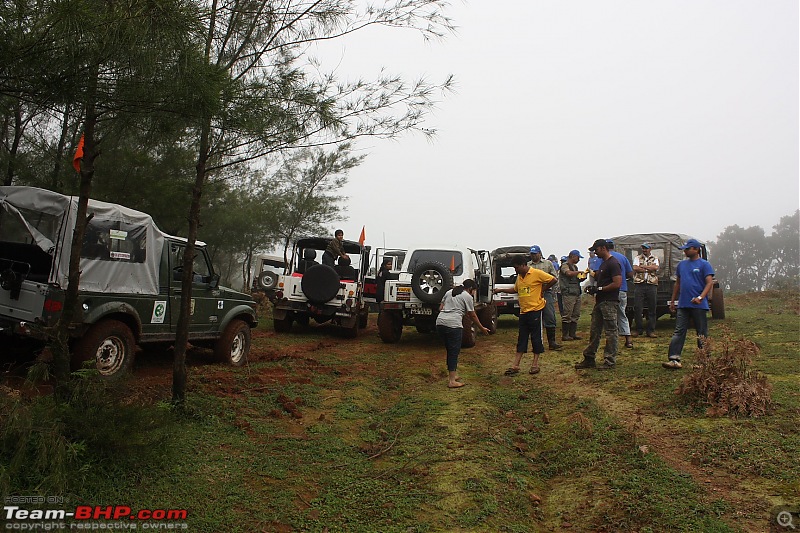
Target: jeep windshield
{"x": 450, "y": 259}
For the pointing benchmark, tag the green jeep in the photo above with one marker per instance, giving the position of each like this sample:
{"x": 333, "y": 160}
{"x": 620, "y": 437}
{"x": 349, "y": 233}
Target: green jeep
{"x": 130, "y": 285}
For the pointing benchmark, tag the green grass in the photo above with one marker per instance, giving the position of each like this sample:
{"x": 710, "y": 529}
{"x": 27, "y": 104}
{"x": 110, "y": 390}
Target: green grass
{"x": 383, "y": 446}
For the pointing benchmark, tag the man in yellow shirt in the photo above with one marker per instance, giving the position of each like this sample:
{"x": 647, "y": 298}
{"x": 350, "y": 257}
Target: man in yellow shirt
{"x": 530, "y": 285}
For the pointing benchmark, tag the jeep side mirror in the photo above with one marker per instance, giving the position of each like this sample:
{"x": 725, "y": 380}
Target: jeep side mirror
{"x": 214, "y": 283}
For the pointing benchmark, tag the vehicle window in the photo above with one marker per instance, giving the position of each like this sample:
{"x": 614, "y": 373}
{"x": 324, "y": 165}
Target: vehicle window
{"x": 505, "y": 274}
{"x": 445, "y": 257}
{"x": 200, "y": 268}
{"x": 114, "y": 240}
{"x": 13, "y": 230}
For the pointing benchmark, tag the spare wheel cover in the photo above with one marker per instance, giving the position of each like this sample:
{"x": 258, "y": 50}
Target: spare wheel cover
{"x": 320, "y": 284}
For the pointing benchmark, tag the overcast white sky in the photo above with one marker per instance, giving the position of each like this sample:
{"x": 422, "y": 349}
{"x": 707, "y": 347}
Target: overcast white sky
{"x": 585, "y": 119}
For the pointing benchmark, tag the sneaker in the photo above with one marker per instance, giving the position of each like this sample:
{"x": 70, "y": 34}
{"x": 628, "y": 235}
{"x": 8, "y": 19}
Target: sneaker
{"x": 652, "y": 335}
{"x": 586, "y": 363}
{"x": 628, "y": 344}
{"x": 672, "y": 364}
{"x": 605, "y": 366}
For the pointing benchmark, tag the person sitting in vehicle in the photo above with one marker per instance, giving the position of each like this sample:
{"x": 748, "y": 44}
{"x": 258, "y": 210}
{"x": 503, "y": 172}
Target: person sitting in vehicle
{"x": 383, "y": 275}
{"x": 344, "y": 269}
{"x": 335, "y": 249}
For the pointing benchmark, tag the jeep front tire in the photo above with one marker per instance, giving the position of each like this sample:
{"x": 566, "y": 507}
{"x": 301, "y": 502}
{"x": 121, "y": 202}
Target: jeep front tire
{"x": 234, "y": 344}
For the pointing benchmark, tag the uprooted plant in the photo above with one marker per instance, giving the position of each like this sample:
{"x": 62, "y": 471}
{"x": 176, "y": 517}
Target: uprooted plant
{"x": 723, "y": 381}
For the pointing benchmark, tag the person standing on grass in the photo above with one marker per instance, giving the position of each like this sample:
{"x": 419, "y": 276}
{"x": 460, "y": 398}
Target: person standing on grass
{"x": 530, "y": 285}
{"x": 604, "y": 314}
{"x": 549, "y": 312}
{"x": 695, "y": 280}
{"x": 569, "y": 280}
{"x": 645, "y": 282}
{"x": 627, "y": 273}
{"x": 456, "y": 303}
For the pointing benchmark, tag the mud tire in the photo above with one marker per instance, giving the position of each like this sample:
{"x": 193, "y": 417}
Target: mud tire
{"x": 233, "y": 346}
{"x": 390, "y": 326}
{"x": 430, "y": 281}
{"x": 110, "y": 344}
{"x": 717, "y": 303}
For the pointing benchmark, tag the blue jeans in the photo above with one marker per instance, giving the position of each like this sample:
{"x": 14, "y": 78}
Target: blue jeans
{"x": 530, "y": 325}
{"x": 682, "y": 326}
{"x": 549, "y": 311}
{"x": 452, "y": 343}
{"x": 622, "y": 318}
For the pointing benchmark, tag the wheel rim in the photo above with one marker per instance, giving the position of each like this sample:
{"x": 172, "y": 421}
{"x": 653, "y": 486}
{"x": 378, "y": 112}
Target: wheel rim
{"x": 237, "y": 347}
{"x": 431, "y": 282}
{"x": 110, "y": 356}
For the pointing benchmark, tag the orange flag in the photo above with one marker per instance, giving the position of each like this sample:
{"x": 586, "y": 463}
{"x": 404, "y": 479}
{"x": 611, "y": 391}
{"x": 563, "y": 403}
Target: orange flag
{"x": 76, "y": 159}
{"x": 453, "y": 264}
{"x": 363, "y": 236}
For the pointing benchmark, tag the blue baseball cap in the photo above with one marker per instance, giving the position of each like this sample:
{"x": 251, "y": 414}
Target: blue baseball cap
{"x": 609, "y": 243}
{"x": 563, "y": 258}
{"x": 535, "y": 249}
{"x": 575, "y": 252}
{"x": 691, "y": 243}
{"x": 646, "y": 245}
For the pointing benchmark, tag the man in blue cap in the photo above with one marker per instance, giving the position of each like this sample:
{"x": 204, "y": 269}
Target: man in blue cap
{"x": 549, "y": 312}
{"x": 645, "y": 282}
{"x": 570, "y": 282}
{"x": 695, "y": 280}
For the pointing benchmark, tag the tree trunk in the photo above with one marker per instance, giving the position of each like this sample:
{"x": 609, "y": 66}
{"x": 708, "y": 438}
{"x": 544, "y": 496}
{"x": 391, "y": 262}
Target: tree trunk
{"x": 62, "y": 143}
{"x": 12, "y": 153}
{"x": 179, "y": 377}
{"x": 60, "y": 348}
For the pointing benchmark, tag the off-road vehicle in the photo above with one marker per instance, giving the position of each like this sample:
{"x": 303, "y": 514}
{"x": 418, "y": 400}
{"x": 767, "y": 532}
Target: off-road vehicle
{"x": 426, "y": 274}
{"x": 268, "y": 269}
{"x": 666, "y": 247}
{"x": 371, "y": 288}
{"x": 324, "y": 293}
{"x": 505, "y": 277}
{"x": 129, "y": 290}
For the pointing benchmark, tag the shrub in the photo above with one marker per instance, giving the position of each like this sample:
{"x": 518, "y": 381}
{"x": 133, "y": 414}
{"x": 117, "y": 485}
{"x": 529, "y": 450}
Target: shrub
{"x": 724, "y": 382}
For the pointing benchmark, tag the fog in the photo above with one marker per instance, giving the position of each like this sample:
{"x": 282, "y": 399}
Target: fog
{"x": 576, "y": 120}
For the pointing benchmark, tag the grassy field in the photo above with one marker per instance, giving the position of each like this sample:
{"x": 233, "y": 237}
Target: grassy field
{"x": 323, "y": 433}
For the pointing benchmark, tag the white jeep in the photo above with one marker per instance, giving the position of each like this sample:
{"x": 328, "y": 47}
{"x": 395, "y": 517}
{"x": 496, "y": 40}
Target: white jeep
{"x": 311, "y": 289}
{"x": 505, "y": 277}
{"x": 426, "y": 274}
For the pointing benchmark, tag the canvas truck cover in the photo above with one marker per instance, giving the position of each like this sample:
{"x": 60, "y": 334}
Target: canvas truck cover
{"x": 673, "y": 240}
{"x": 121, "y": 252}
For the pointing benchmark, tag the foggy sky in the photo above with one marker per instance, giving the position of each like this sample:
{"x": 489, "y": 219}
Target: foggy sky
{"x": 577, "y": 120}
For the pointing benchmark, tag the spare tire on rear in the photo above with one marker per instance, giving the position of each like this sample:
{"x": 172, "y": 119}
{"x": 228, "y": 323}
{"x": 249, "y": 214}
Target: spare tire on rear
{"x": 320, "y": 284}
{"x": 268, "y": 280}
{"x": 430, "y": 281}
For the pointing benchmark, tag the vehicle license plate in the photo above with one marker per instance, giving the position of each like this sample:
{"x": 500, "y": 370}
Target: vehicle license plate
{"x": 423, "y": 311}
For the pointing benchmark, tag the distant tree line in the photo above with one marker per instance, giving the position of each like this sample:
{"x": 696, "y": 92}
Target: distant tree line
{"x": 746, "y": 259}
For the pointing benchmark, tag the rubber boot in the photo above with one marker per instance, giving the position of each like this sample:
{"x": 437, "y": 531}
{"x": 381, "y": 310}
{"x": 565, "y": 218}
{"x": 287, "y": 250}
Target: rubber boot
{"x": 573, "y": 331}
{"x": 565, "y": 336}
{"x": 551, "y": 339}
